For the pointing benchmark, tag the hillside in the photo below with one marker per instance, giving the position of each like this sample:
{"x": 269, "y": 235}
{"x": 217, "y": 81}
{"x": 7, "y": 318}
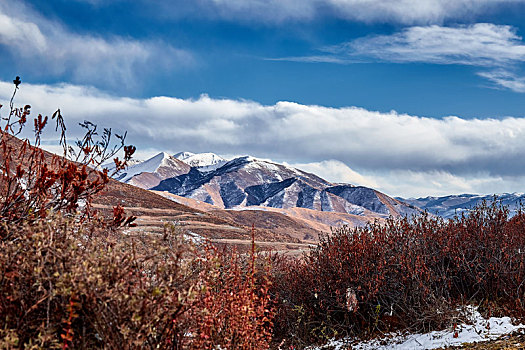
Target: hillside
{"x": 302, "y": 224}
{"x": 153, "y": 211}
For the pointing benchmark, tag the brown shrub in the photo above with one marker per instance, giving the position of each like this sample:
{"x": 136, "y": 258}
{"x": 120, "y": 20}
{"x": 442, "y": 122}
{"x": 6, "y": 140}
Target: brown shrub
{"x": 65, "y": 285}
{"x": 34, "y": 183}
{"x": 405, "y": 274}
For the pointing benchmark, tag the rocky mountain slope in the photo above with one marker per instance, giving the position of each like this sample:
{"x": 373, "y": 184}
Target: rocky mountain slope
{"x": 448, "y": 206}
{"x": 251, "y": 182}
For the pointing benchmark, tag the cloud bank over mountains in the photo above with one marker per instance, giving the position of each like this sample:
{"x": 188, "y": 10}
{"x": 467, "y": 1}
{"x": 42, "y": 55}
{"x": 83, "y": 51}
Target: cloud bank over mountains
{"x": 403, "y": 154}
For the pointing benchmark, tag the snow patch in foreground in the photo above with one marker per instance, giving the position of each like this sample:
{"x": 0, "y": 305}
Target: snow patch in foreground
{"x": 479, "y": 330}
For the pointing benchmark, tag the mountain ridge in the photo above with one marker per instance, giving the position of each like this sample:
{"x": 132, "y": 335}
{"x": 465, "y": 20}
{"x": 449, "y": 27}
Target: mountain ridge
{"x": 247, "y": 181}
{"x": 451, "y": 205}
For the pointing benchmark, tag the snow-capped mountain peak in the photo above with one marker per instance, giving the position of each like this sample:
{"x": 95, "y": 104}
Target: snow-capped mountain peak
{"x": 247, "y": 181}
{"x": 162, "y": 164}
{"x": 183, "y": 155}
{"x": 204, "y": 161}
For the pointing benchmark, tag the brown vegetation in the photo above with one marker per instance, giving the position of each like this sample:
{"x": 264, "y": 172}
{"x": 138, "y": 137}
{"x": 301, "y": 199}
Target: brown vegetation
{"x": 409, "y": 274}
{"x": 81, "y": 286}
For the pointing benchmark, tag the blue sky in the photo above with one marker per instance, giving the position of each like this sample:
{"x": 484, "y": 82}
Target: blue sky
{"x": 411, "y": 97}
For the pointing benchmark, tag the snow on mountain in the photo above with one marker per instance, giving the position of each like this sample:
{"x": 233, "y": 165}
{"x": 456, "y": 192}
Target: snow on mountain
{"x": 149, "y": 166}
{"x": 149, "y": 173}
{"x": 183, "y": 155}
{"x": 204, "y": 161}
{"x": 448, "y": 206}
{"x": 111, "y": 165}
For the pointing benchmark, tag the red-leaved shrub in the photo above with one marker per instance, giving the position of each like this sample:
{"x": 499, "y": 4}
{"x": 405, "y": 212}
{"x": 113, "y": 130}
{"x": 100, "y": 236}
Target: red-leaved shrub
{"x": 403, "y": 274}
{"x": 34, "y": 183}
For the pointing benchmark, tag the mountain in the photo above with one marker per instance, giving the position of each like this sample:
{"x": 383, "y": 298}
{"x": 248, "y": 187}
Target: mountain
{"x": 448, "y": 206}
{"x": 149, "y": 173}
{"x": 203, "y": 161}
{"x": 285, "y": 201}
{"x": 247, "y": 181}
{"x": 290, "y": 231}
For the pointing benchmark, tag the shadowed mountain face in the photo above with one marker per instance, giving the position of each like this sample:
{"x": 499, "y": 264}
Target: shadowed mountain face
{"x": 247, "y": 181}
{"x": 448, "y": 206}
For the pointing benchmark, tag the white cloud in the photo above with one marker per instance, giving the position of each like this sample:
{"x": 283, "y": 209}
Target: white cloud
{"x": 506, "y": 79}
{"x": 412, "y": 11}
{"x": 399, "y": 153}
{"x": 408, "y": 183}
{"x": 481, "y": 44}
{"x": 50, "y": 49}
{"x": 496, "y": 47}
{"x": 267, "y": 10}
{"x": 314, "y": 59}
{"x": 336, "y": 171}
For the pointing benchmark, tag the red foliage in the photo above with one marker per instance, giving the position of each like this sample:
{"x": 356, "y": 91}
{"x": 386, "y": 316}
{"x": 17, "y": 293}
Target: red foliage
{"x": 237, "y": 304}
{"x": 120, "y": 219}
{"x": 409, "y": 273}
{"x": 34, "y": 183}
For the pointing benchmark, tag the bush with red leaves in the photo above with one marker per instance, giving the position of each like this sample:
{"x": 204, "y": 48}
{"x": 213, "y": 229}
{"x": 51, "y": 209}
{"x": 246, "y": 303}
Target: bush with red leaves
{"x": 407, "y": 274}
{"x": 34, "y": 183}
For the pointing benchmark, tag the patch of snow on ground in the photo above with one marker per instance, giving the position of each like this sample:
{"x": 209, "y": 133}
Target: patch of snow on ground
{"x": 479, "y": 330}
{"x": 169, "y": 196}
{"x": 194, "y": 237}
{"x": 239, "y": 208}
